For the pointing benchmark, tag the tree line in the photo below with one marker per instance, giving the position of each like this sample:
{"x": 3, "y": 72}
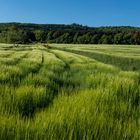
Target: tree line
{"x": 77, "y": 34}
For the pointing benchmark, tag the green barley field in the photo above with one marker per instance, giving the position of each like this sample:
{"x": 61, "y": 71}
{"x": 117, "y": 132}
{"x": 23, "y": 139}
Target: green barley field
{"x": 69, "y": 92}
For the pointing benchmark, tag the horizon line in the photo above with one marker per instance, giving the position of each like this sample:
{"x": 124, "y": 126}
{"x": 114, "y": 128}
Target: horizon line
{"x": 90, "y": 26}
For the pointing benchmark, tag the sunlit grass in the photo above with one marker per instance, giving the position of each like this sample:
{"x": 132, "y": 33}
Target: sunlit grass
{"x": 48, "y": 93}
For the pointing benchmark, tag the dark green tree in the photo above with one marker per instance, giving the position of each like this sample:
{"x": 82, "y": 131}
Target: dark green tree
{"x": 118, "y": 38}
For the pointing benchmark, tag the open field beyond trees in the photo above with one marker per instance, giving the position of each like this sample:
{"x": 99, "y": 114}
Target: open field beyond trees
{"x": 69, "y": 92}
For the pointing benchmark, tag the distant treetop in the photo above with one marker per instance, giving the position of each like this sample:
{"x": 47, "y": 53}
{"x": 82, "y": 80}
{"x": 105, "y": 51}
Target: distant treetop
{"x": 73, "y": 33}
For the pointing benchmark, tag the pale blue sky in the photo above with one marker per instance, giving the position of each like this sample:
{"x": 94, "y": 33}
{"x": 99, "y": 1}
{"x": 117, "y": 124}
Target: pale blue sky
{"x": 86, "y": 12}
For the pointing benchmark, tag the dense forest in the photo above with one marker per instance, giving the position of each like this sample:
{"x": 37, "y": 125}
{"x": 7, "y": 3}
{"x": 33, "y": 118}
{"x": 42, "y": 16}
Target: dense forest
{"x": 58, "y": 33}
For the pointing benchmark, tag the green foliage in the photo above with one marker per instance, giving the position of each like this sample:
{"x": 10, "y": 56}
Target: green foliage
{"x": 105, "y": 39}
{"x": 68, "y": 34}
{"x": 118, "y": 38}
{"x": 40, "y": 36}
{"x": 85, "y": 39}
{"x": 65, "y": 38}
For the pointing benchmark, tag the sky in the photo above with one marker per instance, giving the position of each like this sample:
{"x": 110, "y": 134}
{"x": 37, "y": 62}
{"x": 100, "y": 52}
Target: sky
{"x": 86, "y": 12}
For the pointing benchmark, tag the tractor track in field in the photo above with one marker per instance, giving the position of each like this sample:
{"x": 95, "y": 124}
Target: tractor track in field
{"x": 6, "y": 55}
{"x": 33, "y": 72}
{"x": 16, "y": 60}
{"x": 56, "y": 85}
{"x": 17, "y": 80}
{"x": 107, "y": 59}
{"x": 67, "y": 69}
{"x": 52, "y": 88}
{"x": 12, "y": 77}
{"x": 67, "y": 66}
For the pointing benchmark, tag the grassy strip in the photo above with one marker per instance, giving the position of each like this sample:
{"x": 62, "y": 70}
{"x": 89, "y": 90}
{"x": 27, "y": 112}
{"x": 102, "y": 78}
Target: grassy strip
{"x": 129, "y": 64}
